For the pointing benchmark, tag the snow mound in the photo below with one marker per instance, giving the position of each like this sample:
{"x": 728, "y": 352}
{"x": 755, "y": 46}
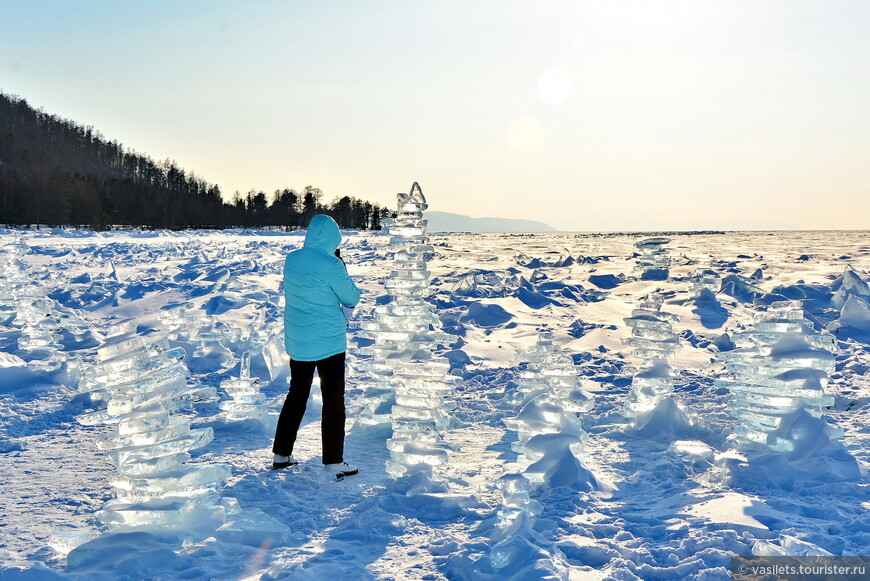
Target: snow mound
{"x": 486, "y": 315}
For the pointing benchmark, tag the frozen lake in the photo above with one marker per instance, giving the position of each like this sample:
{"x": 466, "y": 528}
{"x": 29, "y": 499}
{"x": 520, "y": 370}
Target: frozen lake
{"x": 663, "y": 510}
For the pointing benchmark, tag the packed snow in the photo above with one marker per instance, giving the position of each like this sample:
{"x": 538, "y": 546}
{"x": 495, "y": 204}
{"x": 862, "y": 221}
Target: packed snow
{"x": 589, "y": 430}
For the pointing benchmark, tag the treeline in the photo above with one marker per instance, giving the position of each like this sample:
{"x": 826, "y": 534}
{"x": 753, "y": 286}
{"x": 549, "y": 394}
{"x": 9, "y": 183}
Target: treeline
{"x": 56, "y": 172}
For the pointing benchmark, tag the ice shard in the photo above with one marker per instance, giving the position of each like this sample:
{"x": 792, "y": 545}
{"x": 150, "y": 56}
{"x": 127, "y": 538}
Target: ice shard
{"x": 848, "y": 284}
{"x": 852, "y": 300}
{"x": 705, "y": 279}
{"x": 486, "y": 284}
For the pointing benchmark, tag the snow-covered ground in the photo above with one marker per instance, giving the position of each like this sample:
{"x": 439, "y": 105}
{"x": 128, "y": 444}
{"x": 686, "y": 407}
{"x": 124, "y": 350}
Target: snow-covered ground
{"x": 660, "y": 512}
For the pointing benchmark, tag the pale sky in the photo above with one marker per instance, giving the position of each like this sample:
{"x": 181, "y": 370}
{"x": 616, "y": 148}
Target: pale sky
{"x": 586, "y": 115}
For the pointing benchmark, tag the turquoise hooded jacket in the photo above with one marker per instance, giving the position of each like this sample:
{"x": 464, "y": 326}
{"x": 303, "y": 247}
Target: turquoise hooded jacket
{"x": 316, "y": 285}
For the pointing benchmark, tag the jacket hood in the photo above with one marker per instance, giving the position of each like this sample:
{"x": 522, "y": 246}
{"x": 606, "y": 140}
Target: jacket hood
{"x": 323, "y": 234}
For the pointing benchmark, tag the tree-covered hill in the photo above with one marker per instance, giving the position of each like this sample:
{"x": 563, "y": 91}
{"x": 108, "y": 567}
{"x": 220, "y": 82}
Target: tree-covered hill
{"x": 55, "y": 171}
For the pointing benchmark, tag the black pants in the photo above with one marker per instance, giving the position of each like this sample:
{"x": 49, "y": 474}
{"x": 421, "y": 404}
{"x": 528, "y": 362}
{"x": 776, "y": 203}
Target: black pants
{"x": 331, "y": 372}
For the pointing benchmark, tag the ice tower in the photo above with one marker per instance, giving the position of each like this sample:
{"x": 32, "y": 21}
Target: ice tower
{"x": 179, "y": 320}
{"x": 653, "y": 259}
{"x": 209, "y": 352}
{"x": 650, "y": 405}
{"x": 780, "y": 373}
{"x": 781, "y": 367}
{"x": 247, "y": 403}
{"x": 407, "y": 383}
{"x": 25, "y": 304}
{"x": 550, "y": 437}
{"x": 140, "y": 385}
{"x": 518, "y": 550}
{"x": 40, "y": 326}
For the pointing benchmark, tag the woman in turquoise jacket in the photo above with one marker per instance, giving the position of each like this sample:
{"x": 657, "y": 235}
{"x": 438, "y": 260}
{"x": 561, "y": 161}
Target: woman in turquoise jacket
{"x": 316, "y": 286}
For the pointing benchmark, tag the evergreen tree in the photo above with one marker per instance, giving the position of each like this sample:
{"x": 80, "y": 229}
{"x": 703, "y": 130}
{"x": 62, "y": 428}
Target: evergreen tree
{"x": 56, "y": 172}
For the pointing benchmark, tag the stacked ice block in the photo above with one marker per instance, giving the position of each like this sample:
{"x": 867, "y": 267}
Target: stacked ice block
{"x": 13, "y": 277}
{"x": 402, "y": 329}
{"x": 654, "y": 343}
{"x": 407, "y": 383}
{"x": 209, "y": 348}
{"x": 781, "y": 366}
{"x": 518, "y": 511}
{"x": 653, "y": 260}
{"x": 24, "y": 303}
{"x": 40, "y": 325}
{"x": 550, "y": 436}
{"x": 418, "y": 416}
{"x": 180, "y": 322}
{"x": 141, "y": 384}
{"x": 246, "y": 402}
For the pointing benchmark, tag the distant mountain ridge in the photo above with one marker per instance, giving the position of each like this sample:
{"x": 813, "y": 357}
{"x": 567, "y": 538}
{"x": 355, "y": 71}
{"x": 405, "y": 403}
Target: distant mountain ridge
{"x": 449, "y": 222}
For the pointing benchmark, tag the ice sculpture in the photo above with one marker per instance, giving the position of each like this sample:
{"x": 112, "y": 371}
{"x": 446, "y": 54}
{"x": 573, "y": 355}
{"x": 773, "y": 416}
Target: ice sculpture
{"x": 653, "y": 259}
{"x": 407, "y": 383}
{"x": 650, "y": 404}
{"x": 519, "y": 551}
{"x": 40, "y": 326}
{"x": 247, "y": 403}
{"x": 400, "y": 329}
{"x": 13, "y": 275}
{"x": 233, "y": 337}
{"x": 418, "y": 416}
{"x": 24, "y": 304}
{"x": 781, "y": 366}
{"x": 142, "y": 384}
{"x": 207, "y": 337}
{"x": 549, "y": 439}
{"x": 550, "y": 436}
{"x": 518, "y": 511}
